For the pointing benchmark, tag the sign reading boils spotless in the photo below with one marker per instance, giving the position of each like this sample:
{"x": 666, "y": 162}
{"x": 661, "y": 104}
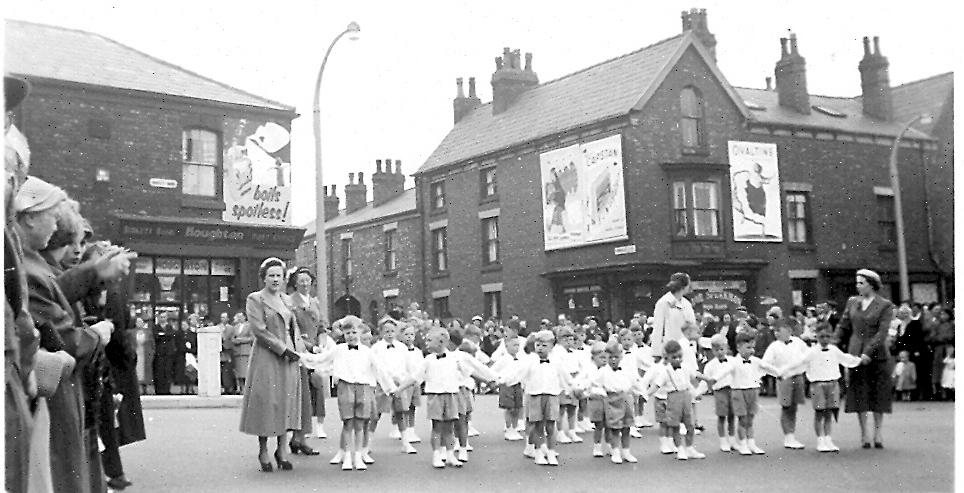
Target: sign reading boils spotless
{"x": 582, "y": 194}
{"x": 257, "y": 176}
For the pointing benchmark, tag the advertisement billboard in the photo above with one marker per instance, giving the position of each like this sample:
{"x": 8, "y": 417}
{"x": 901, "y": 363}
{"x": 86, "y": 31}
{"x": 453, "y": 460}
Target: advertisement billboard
{"x": 257, "y": 173}
{"x": 755, "y": 181}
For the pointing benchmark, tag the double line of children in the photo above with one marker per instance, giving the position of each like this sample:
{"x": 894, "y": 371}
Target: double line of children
{"x": 560, "y": 386}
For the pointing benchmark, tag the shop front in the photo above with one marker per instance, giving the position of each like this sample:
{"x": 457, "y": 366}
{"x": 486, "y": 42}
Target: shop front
{"x": 198, "y": 268}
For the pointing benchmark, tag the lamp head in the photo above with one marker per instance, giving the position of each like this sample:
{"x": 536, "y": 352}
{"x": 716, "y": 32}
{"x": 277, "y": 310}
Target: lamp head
{"x": 926, "y": 119}
{"x": 353, "y": 30}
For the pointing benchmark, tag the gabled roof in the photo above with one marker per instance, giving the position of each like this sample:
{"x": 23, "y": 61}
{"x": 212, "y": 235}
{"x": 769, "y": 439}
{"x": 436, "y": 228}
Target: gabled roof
{"x": 597, "y": 93}
{"x": 925, "y": 96}
{"x": 844, "y": 115}
{"x": 404, "y": 202}
{"x": 52, "y": 52}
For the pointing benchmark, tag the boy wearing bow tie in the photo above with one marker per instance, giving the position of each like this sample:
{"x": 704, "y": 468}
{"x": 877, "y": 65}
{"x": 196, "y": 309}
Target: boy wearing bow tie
{"x": 822, "y": 366}
{"x": 676, "y": 382}
{"x": 718, "y": 371}
{"x": 746, "y": 373}
{"x": 790, "y": 389}
{"x": 392, "y": 355}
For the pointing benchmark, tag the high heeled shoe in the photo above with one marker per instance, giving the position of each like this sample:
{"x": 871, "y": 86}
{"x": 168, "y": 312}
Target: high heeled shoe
{"x": 282, "y": 464}
{"x": 301, "y": 448}
{"x": 265, "y": 466}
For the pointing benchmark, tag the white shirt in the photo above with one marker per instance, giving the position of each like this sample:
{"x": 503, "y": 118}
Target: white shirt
{"x": 689, "y": 363}
{"x": 540, "y": 377}
{"x": 358, "y": 365}
{"x": 822, "y": 364}
{"x": 746, "y": 375}
{"x": 720, "y": 372}
{"x": 508, "y": 365}
{"x": 780, "y": 354}
{"x": 670, "y": 380}
{"x": 392, "y": 358}
{"x": 415, "y": 362}
{"x": 655, "y": 372}
{"x": 644, "y": 356}
{"x": 615, "y": 381}
{"x": 500, "y": 350}
{"x": 443, "y": 373}
{"x": 670, "y": 315}
{"x": 571, "y": 360}
{"x": 629, "y": 365}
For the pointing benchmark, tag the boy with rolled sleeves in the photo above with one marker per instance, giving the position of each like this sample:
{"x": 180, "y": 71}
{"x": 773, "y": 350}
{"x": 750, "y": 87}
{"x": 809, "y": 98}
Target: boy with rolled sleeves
{"x": 393, "y": 357}
{"x": 718, "y": 371}
{"x": 543, "y": 380}
{"x": 790, "y": 389}
{"x": 676, "y": 382}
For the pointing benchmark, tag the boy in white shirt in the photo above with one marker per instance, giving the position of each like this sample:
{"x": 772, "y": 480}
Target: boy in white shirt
{"x": 355, "y": 367}
{"x": 392, "y": 355}
{"x": 689, "y": 344}
{"x": 568, "y": 401}
{"x": 629, "y": 365}
{"x": 746, "y": 372}
{"x": 620, "y": 387}
{"x": 510, "y": 396}
{"x": 584, "y": 350}
{"x": 596, "y": 396}
{"x": 644, "y": 360}
{"x": 717, "y": 370}
{"x": 543, "y": 380}
{"x": 414, "y": 361}
{"x": 790, "y": 389}
{"x": 821, "y": 363}
{"x": 676, "y": 382}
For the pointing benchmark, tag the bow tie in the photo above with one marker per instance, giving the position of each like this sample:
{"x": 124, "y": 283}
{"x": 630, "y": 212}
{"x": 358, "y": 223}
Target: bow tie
{"x": 629, "y": 352}
{"x": 787, "y": 342}
{"x": 390, "y": 346}
{"x": 439, "y": 355}
{"x": 412, "y": 349}
{"x": 746, "y": 361}
{"x": 825, "y": 349}
{"x": 722, "y": 360}
{"x": 515, "y": 358}
{"x": 355, "y": 347}
{"x": 543, "y": 361}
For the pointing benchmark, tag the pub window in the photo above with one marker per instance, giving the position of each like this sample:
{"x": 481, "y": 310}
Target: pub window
{"x": 691, "y": 118}
{"x": 489, "y": 185}
{"x": 490, "y": 241}
{"x": 439, "y": 255}
{"x": 493, "y": 305}
{"x": 200, "y": 153}
{"x": 438, "y": 195}
{"x": 441, "y": 307}
{"x": 696, "y": 209}
{"x": 886, "y": 221}
{"x": 346, "y": 257}
{"x": 798, "y": 217}
{"x": 390, "y": 251}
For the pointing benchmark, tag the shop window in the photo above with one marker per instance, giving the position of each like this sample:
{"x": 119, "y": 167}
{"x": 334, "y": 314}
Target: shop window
{"x": 180, "y": 287}
{"x": 696, "y": 209}
{"x": 803, "y": 292}
{"x": 490, "y": 241}
{"x": 441, "y": 307}
{"x": 798, "y": 217}
{"x": 201, "y": 156}
{"x": 390, "y": 265}
{"x": 488, "y": 183}
{"x": 439, "y": 254}
{"x": 691, "y": 119}
{"x": 346, "y": 262}
{"x": 438, "y": 195}
{"x": 493, "y": 305}
{"x": 886, "y": 222}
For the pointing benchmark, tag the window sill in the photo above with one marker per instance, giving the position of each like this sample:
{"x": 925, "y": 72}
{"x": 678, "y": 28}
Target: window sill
{"x": 801, "y": 247}
{"x": 390, "y": 273}
{"x": 438, "y": 212}
{"x": 202, "y": 203}
{"x": 493, "y": 267}
{"x": 440, "y": 275}
{"x": 696, "y": 151}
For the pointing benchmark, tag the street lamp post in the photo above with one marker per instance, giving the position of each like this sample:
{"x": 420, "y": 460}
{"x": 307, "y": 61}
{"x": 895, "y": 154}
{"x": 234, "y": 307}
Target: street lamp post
{"x": 321, "y": 246}
{"x": 899, "y": 209}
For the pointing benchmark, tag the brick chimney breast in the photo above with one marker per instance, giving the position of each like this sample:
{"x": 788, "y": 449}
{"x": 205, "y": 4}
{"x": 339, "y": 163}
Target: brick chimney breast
{"x": 791, "y": 77}
{"x": 875, "y": 82}
{"x": 462, "y": 105}
{"x": 695, "y": 20}
{"x": 331, "y": 204}
{"x": 387, "y": 185}
{"x": 510, "y": 80}
{"x": 356, "y": 194}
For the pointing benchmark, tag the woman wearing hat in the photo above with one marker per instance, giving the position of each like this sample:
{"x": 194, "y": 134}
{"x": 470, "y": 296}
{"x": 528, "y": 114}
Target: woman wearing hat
{"x": 272, "y": 401}
{"x": 307, "y": 311}
{"x": 867, "y": 318}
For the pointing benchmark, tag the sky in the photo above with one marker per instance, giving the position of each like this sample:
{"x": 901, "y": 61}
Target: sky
{"x": 389, "y": 93}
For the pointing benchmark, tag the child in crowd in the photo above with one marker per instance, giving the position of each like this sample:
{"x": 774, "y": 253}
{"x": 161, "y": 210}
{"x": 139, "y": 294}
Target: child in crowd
{"x": 791, "y": 390}
{"x": 620, "y": 388}
{"x": 822, "y": 366}
{"x": 584, "y": 350}
{"x": 543, "y": 380}
{"x": 715, "y": 370}
{"x": 414, "y": 361}
{"x": 676, "y": 382}
{"x": 392, "y": 355}
{"x": 629, "y": 365}
{"x": 355, "y": 366}
{"x": 510, "y": 396}
{"x": 905, "y": 376}
{"x": 568, "y": 401}
{"x": 693, "y": 361}
{"x": 473, "y": 336}
{"x": 644, "y": 360}
{"x": 596, "y": 397}
{"x": 746, "y": 371}
{"x": 947, "y": 375}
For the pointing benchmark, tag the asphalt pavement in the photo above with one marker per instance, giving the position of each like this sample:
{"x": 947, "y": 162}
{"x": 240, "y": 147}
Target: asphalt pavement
{"x": 201, "y": 450}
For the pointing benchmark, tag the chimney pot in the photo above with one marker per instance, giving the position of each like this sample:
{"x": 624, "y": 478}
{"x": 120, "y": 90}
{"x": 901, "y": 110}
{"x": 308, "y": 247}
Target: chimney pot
{"x": 333, "y": 190}
{"x": 793, "y": 44}
{"x": 458, "y": 85}
{"x": 325, "y": 190}
{"x": 378, "y": 165}
{"x": 866, "y": 46}
{"x": 877, "y": 45}
{"x": 783, "y": 48}
{"x": 361, "y": 178}
{"x": 351, "y": 178}
{"x": 528, "y": 62}
{"x": 498, "y": 63}
{"x": 398, "y": 166}
{"x": 472, "y": 87}
{"x": 769, "y": 83}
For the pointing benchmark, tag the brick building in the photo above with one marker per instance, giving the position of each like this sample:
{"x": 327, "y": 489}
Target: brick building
{"x": 153, "y": 153}
{"x": 493, "y": 242}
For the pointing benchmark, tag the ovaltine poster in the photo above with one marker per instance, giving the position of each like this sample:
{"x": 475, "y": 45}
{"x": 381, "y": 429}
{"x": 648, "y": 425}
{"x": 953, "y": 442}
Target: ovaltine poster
{"x": 257, "y": 174}
{"x": 755, "y": 181}
{"x": 582, "y": 194}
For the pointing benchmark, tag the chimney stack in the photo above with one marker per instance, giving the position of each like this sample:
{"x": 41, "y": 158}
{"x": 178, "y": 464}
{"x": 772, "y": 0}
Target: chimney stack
{"x": 769, "y": 83}
{"x": 510, "y": 80}
{"x": 462, "y": 105}
{"x": 386, "y": 185}
{"x": 875, "y": 82}
{"x": 791, "y": 77}
{"x": 331, "y": 204}
{"x": 695, "y": 20}
{"x": 356, "y": 194}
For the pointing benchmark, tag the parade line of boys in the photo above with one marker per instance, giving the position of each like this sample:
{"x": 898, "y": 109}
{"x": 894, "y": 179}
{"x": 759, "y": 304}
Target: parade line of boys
{"x": 561, "y": 386}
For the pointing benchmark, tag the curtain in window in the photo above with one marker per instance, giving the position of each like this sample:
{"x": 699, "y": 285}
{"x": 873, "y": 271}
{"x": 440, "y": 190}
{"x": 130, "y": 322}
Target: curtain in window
{"x": 705, "y": 209}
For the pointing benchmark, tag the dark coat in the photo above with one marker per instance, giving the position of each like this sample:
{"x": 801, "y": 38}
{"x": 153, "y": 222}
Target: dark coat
{"x": 867, "y": 328}
{"x": 912, "y": 340}
{"x": 122, "y": 359}
{"x": 20, "y": 346}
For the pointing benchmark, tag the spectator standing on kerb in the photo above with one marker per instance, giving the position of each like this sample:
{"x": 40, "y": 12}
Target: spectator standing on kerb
{"x": 672, "y": 311}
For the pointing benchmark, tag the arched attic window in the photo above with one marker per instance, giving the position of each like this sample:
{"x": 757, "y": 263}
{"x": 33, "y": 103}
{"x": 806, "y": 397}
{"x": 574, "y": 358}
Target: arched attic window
{"x": 692, "y": 121}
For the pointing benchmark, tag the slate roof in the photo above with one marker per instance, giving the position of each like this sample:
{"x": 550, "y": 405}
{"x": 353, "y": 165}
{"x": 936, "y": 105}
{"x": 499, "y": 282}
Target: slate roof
{"x": 925, "y": 96}
{"x": 52, "y": 52}
{"x": 404, "y": 202}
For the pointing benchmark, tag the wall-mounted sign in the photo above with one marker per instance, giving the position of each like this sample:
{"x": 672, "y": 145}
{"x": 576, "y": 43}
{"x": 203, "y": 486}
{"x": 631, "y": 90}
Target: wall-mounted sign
{"x": 717, "y": 297}
{"x": 205, "y": 234}
{"x": 755, "y": 181}
{"x": 583, "y": 200}
{"x": 257, "y": 173}
{"x": 625, "y": 250}
{"x": 163, "y": 183}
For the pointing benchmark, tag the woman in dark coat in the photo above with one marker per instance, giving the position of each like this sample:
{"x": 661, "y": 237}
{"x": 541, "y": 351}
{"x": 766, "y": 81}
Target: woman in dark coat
{"x": 867, "y": 318}
{"x": 272, "y": 401}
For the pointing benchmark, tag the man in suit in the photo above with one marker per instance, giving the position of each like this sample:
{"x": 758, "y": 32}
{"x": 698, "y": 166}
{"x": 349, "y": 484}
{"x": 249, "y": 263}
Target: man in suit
{"x": 164, "y": 353}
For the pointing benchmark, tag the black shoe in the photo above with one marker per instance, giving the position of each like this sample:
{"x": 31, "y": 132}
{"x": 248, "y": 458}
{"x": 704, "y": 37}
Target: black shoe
{"x": 118, "y": 483}
{"x": 266, "y": 466}
{"x": 298, "y": 447}
{"x": 282, "y": 464}
{"x": 866, "y": 445}
{"x": 878, "y": 445}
